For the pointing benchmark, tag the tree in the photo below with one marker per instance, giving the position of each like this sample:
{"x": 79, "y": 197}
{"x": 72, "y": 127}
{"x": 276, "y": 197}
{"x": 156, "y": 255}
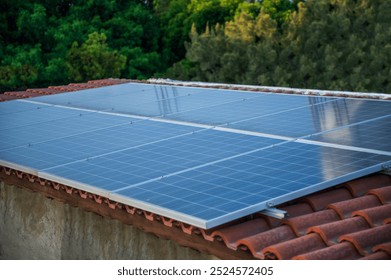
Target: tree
{"x": 94, "y": 59}
{"x": 22, "y": 67}
{"x": 324, "y": 44}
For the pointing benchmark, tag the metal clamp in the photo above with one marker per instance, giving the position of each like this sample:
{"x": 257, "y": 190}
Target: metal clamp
{"x": 386, "y": 168}
{"x": 275, "y": 213}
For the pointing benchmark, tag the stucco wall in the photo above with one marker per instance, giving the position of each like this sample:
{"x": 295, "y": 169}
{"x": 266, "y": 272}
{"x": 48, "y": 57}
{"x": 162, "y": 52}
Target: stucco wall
{"x": 35, "y": 227}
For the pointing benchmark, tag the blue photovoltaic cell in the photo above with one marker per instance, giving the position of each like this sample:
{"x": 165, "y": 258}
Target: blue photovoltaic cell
{"x": 244, "y": 109}
{"x": 52, "y": 124}
{"x": 314, "y": 119}
{"x": 374, "y": 134}
{"x": 154, "y": 160}
{"x": 35, "y": 115}
{"x": 102, "y": 95}
{"x": 93, "y": 143}
{"x": 151, "y": 101}
{"x": 15, "y": 106}
{"x": 237, "y": 184}
{"x": 215, "y": 167}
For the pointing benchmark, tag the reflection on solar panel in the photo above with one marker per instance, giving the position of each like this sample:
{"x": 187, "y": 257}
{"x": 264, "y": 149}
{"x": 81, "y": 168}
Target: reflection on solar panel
{"x": 200, "y": 156}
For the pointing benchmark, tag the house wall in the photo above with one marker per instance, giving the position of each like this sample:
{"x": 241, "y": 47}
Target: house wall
{"x": 35, "y": 227}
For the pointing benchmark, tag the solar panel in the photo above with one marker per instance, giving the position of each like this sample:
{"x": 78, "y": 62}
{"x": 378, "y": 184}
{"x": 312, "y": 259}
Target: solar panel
{"x": 374, "y": 134}
{"x": 122, "y": 134}
{"x": 33, "y": 127}
{"x": 157, "y": 159}
{"x": 151, "y": 101}
{"x": 200, "y": 156}
{"x": 317, "y": 118}
{"x": 239, "y": 186}
{"x": 247, "y": 109}
{"x": 15, "y": 107}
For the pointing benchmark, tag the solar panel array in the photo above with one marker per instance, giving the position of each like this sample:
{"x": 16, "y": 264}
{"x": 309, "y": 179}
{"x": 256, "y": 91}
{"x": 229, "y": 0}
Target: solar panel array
{"x": 200, "y": 156}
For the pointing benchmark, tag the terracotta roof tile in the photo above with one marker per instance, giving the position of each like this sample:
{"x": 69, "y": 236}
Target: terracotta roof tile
{"x": 43, "y": 91}
{"x": 362, "y": 186}
{"x": 230, "y": 235}
{"x": 22, "y": 94}
{"x": 383, "y": 194}
{"x": 347, "y": 207}
{"x": 33, "y": 92}
{"x": 365, "y": 240}
{"x": 64, "y": 88}
{"x": 375, "y": 216}
{"x": 377, "y": 256}
{"x": 6, "y": 97}
{"x": 297, "y": 209}
{"x": 84, "y": 85}
{"x": 294, "y": 247}
{"x": 354, "y": 232}
{"x": 330, "y": 232}
{"x": 273, "y": 222}
{"x": 320, "y": 201}
{"x": 300, "y": 224}
{"x": 342, "y": 251}
{"x": 108, "y": 82}
{"x": 292, "y": 211}
{"x": 258, "y": 242}
{"x": 386, "y": 247}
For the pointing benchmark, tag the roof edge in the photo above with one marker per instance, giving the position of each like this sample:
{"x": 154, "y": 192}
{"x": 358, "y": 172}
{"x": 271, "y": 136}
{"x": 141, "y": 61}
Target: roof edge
{"x": 315, "y": 92}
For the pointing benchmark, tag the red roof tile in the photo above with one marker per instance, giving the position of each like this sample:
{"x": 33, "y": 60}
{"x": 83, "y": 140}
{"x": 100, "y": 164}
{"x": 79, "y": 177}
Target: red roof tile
{"x": 109, "y": 82}
{"x": 32, "y": 92}
{"x": 258, "y": 242}
{"x": 42, "y": 91}
{"x": 342, "y": 251}
{"x": 300, "y": 224}
{"x": 297, "y": 209}
{"x": 362, "y": 186}
{"x": 289, "y": 249}
{"x": 347, "y": 207}
{"x": 22, "y": 94}
{"x": 377, "y": 256}
{"x": 6, "y": 97}
{"x": 230, "y": 235}
{"x": 383, "y": 194}
{"x": 365, "y": 240}
{"x": 386, "y": 247}
{"x": 375, "y": 216}
{"x": 320, "y": 201}
{"x": 351, "y": 228}
{"x": 330, "y": 232}
{"x": 292, "y": 211}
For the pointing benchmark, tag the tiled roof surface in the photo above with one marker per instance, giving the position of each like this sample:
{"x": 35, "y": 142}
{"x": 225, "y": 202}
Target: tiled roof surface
{"x": 9, "y": 95}
{"x": 350, "y": 221}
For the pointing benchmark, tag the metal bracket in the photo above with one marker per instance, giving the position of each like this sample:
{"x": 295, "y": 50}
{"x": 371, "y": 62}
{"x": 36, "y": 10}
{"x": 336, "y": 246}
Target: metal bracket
{"x": 386, "y": 168}
{"x": 275, "y": 213}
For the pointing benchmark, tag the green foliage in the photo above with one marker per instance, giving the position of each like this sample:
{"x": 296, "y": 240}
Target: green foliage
{"x": 94, "y": 59}
{"x": 325, "y": 44}
{"x": 31, "y": 24}
{"x": 58, "y": 33}
{"x": 207, "y": 13}
{"x": 279, "y": 10}
{"x": 22, "y": 67}
{"x": 178, "y": 16}
{"x": 174, "y": 26}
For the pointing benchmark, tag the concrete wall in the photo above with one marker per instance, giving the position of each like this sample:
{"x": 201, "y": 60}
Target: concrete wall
{"x": 35, "y": 227}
